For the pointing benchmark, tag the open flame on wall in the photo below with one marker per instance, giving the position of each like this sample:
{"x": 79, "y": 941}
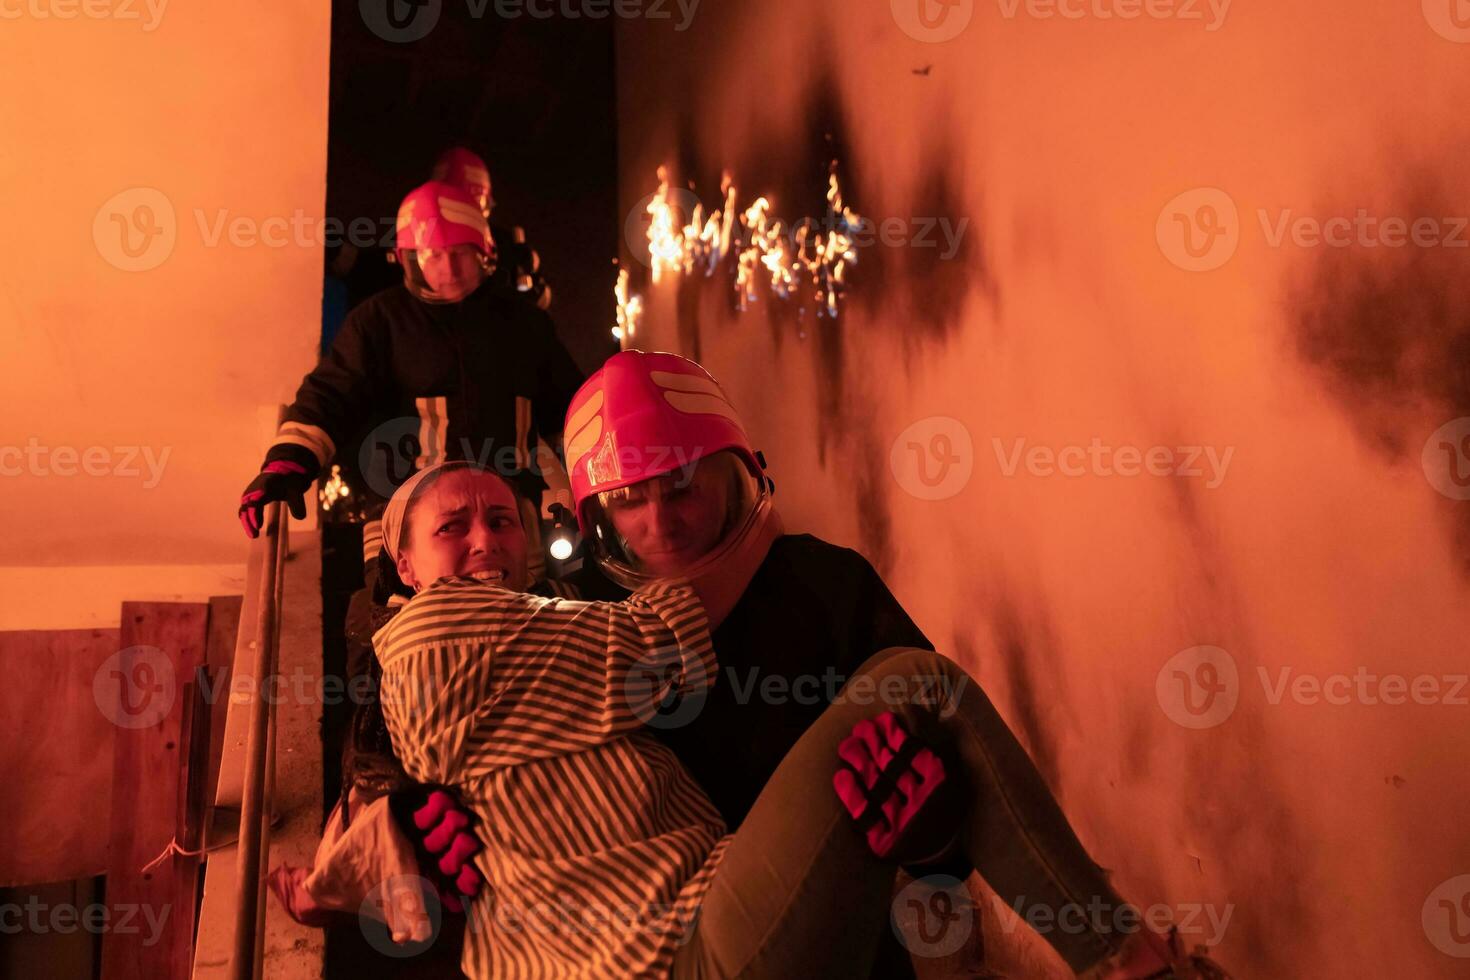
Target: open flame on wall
{"x": 766, "y": 252}
{"x": 630, "y": 309}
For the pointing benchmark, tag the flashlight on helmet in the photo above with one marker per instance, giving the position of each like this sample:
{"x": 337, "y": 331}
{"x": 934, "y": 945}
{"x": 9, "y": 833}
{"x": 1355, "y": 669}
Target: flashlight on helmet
{"x": 562, "y": 541}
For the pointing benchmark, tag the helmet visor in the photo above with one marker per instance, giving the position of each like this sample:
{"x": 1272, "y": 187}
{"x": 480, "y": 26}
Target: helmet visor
{"x": 676, "y": 525}
{"x": 443, "y": 275}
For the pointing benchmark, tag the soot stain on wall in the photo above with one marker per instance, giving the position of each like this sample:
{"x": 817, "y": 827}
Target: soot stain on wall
{"x": 1213, "y": 612}
{"x": 936, "y": 279}
{"x": 1025, "y": 654}
{"x": 1386, "y": 331}
{"x": 795, "y": 176}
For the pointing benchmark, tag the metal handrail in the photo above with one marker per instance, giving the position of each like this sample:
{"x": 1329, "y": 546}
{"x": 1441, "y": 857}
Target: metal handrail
{"x": 254, "y": 842}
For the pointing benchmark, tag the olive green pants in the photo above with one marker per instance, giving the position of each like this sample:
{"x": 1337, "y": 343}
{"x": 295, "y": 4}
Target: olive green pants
{"x": 799, "y": 893}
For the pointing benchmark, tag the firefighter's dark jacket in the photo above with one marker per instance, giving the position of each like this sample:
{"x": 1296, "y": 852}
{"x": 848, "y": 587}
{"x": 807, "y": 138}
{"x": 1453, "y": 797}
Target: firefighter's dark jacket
{"x": 478, "y": 379}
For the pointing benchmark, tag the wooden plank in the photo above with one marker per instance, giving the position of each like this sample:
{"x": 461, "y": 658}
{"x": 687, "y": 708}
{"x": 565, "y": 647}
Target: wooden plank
{"x": 230, "y": 783}
{"x": 55, "y": 754}
{"x": 36, "y": 947}
{"x": 224, "y": 632}
{"x": 193, "y": 802}
{"x": 163, "y": 645}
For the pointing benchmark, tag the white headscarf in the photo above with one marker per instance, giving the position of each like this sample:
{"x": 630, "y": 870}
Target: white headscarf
{"x": 395, "y": 516}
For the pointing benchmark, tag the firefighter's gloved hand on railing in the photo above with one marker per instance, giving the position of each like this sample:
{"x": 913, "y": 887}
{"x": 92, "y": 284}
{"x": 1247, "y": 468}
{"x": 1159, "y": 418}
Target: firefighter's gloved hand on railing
{"x": 897, "y": 791}
{"x": 286, "y": 476}
{"x": 443, "y": 834}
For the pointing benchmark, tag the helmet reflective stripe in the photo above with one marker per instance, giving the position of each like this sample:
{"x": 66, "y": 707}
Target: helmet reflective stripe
{"x": 685, "y": 382}
{"x": 461, "y": 213}
{"x": 696, "y": 404}
{"x": 439, "y": 215}
{"x": 644, "y": 415}
{"x": 693, "y": 395}
{"x": 476, "y": 177}
{"x": 585, "y": 426}
{"x": 405, "y": 214}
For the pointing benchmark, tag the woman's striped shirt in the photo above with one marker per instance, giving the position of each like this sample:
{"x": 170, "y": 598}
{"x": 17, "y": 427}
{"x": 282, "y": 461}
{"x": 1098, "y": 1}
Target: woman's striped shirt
{"x": 599, "y": 847}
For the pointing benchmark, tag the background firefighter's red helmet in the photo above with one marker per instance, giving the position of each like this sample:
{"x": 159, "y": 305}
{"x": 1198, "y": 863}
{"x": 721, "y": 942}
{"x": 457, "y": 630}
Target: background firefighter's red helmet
{"x": 464, "y": 168}
{"x": 435, "y": 219}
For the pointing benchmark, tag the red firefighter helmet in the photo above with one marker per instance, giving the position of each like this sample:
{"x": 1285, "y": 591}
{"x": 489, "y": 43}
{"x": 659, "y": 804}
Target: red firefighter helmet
{"x": 436, "y": 218}
{"x": 645, "y": 417}
{"x": 464, "y": 168}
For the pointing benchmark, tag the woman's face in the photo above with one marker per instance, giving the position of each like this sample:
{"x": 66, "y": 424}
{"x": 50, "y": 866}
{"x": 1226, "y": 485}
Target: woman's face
{"x": 466, "y": 524}
{"x": 672, "y": 521}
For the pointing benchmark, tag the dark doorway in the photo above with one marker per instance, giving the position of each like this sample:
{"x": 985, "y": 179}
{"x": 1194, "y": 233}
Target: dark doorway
{"x": 535, "y": 99}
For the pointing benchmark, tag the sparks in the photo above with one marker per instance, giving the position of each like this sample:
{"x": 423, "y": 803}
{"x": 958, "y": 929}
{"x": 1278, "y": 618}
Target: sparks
{"x": 765, "y": 249}
{"x": 665, "y": 243}
{"x": 630, "y": 309}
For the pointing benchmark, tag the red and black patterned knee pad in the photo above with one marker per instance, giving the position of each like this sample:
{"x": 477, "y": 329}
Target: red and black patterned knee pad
{"x": 896, "y": 789}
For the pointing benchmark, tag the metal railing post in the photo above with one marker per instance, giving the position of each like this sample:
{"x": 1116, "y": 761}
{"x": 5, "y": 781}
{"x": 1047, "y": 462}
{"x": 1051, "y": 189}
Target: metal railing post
{"x": 255, "y": 805}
